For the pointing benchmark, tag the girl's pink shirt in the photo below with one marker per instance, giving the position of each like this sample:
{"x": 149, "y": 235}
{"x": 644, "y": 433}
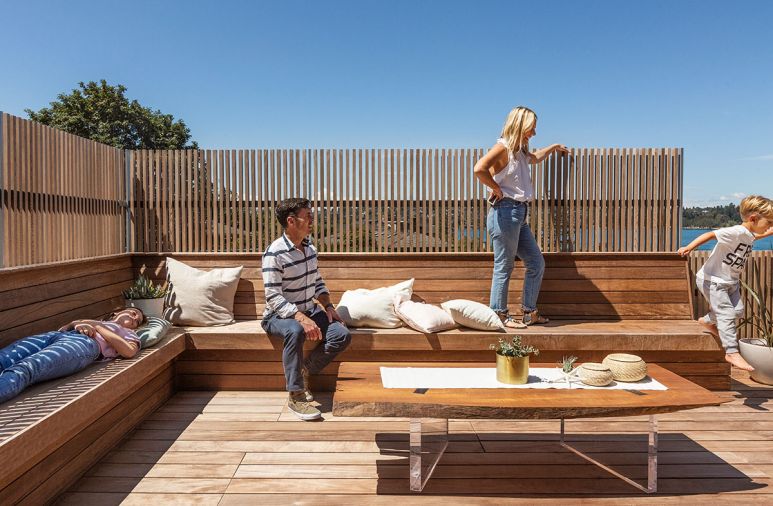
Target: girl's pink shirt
{"x": 105, "y": 348}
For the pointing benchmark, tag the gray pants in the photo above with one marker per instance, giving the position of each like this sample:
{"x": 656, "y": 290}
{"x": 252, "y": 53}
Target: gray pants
{"x": 725, "y": 307}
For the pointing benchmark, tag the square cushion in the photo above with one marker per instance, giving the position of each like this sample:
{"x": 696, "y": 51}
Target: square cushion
{"x": 373, "y": 308}
{"x": 200, "y": 298}
{"x": 153, "y": 331}
{"x": 475, "y": 315}
{"x": 423, "y": 317}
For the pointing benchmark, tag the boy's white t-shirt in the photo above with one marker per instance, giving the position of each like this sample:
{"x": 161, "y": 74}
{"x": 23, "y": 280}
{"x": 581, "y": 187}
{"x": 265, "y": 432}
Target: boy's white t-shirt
{"x": 728, "y": 258}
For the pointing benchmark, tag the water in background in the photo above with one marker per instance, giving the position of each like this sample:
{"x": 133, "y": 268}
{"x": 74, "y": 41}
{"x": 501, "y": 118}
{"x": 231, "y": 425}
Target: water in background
{"x": 688, "y": 234}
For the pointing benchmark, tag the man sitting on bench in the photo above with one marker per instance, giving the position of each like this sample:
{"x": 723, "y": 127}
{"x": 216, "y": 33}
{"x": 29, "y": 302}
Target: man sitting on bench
{"x": 292, "y": 283}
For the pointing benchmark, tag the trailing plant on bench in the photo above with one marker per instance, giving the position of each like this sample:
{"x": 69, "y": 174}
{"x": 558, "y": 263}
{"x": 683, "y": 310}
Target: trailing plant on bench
{"x": 760, "y": 319}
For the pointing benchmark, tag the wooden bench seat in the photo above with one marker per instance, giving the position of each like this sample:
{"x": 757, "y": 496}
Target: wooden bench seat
{"x": 242, "y": 356}
{"x": 599, "y": 303}
{"x": 679, "y": 335}
{"x": 54, "y": 432}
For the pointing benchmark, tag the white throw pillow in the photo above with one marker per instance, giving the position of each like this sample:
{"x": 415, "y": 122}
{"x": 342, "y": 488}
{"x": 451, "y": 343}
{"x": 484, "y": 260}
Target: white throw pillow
{"x": 200, "y": 298}
{"x": 423, "y": 317}
{"x": 373, "y": 308}
{"x": 475, "y": 315}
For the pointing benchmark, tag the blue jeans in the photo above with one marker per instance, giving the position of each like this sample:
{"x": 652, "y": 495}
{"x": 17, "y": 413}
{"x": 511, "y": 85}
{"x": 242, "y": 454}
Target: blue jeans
{"x": 335, "y": 338}
{"x": 511, "y": 236}
{"x": 43, "y": 357}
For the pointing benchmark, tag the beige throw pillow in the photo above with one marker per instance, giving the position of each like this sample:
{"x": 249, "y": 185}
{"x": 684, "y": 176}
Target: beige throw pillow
{"x": 423, "y": 317}
{"x": 475, "y": 315}
{"x": 200, "y": 298}
{"x": 373, "y": 308}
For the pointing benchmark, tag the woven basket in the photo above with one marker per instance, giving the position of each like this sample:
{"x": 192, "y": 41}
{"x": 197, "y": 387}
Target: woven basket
{"x": 595, "y": 375}
{"x": 625, "y": 367}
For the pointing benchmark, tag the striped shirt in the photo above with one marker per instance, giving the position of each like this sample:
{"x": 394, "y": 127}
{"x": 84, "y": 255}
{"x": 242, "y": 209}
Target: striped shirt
{"x": 291, "y": 280}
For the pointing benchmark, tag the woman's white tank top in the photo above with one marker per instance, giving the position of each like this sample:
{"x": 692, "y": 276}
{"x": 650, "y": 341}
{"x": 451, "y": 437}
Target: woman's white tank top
{"x": 515, "y": 178}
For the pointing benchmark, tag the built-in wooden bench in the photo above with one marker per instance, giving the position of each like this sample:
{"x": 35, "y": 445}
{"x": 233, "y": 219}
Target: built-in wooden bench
{"x": 598, "y": 302}
{"x": 55, "y": 431}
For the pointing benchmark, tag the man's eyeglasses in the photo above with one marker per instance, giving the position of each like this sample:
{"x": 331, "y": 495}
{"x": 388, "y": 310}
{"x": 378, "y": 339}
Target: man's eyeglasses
{"x": 310, "y": 218}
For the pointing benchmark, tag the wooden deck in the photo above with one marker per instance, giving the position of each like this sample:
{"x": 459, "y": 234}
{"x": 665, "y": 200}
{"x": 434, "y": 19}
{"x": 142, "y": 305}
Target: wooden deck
{"x": 245, "y": 448}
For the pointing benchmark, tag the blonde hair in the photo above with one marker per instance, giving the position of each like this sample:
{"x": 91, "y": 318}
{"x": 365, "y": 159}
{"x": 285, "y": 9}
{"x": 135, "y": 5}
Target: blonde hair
{"x": 518, "y": 122}
{"x": 756, "y": 204}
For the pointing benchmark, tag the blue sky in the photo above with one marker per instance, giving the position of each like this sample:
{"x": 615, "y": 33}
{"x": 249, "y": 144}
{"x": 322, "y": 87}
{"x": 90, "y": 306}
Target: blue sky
{"x": 695, "y": 74}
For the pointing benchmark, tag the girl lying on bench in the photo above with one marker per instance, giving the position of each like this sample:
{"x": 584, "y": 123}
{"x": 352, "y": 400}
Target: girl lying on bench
{"x": 68, "y": 350}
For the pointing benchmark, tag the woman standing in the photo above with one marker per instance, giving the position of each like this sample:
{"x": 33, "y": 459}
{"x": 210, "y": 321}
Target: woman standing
{"x": 505, "y": 170}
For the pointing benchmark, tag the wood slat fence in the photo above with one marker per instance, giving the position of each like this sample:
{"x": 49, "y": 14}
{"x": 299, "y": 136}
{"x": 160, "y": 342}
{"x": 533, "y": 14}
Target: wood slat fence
{"x": 399, "y": 200}
{"x": 63, "y": 197}
{"x": 758, "y": 274}
{"x": 67, "y": 198}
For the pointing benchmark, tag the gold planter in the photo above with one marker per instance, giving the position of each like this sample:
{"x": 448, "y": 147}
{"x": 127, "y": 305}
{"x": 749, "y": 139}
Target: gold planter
{"x": 512, "y": 370}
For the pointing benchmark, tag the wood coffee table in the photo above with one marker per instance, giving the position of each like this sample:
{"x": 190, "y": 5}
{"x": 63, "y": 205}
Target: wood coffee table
{"x": 359, "y": 392}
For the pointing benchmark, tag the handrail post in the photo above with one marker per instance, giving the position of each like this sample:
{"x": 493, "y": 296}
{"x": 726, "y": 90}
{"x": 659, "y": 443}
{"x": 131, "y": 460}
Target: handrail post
{"x": 3, "y": 193}
{"x": 127, "y": 155}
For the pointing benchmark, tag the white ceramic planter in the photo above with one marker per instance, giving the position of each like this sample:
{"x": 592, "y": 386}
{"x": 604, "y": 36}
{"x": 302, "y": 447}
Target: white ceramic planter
{"x": 149, "y": 307}
{"x": 760, "y": 356}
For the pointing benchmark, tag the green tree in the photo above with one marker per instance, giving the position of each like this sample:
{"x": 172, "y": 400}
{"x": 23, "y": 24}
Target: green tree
{"x": 711, "y": 217}
{"x": 102, "y": 113}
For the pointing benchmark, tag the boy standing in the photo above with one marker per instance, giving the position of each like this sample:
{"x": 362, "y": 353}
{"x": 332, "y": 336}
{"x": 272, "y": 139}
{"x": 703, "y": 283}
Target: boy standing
{"x": 719, "y": 278}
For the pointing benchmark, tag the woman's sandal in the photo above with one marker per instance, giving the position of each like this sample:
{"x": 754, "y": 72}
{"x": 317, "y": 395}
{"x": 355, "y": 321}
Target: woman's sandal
{"x": 534, "y": 318}
{"x": 511, "y": 323}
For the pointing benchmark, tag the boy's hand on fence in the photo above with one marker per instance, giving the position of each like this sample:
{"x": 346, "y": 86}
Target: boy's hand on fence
{"x": 683, "y": 251}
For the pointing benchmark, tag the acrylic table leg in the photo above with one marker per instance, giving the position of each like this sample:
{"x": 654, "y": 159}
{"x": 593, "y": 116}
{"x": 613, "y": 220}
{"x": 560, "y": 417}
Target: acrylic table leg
{"x": 652, "y": 458}
{"x": 428, "y": 442}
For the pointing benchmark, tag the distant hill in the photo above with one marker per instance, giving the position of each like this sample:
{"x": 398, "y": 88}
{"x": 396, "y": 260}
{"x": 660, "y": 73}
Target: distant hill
{"x": 711, "y": 217}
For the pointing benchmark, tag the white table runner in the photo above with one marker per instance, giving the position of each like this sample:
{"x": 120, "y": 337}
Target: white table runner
{"x": 479, "y": 377}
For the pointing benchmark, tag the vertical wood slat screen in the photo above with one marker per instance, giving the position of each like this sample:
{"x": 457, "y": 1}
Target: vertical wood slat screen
{"x": 62, "y": 196}
{"x": 399, "y": 200}
{"x": 758, "y": 274}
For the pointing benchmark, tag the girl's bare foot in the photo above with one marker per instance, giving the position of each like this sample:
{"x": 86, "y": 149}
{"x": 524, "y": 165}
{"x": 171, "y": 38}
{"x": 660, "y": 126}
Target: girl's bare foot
{"x": 709, "y": 327}
{"x": 737, "y": 360}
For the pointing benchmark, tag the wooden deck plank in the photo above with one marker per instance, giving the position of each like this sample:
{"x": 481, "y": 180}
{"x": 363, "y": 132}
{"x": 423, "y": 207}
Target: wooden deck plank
{"x": 440, "y": 500}
{"x": 713, "y": 455}
{"x": 137, "y": 499}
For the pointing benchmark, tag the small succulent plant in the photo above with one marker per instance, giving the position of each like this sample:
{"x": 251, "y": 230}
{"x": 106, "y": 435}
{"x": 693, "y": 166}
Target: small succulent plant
{"x": 143, "y": 288}
{"x": 513, "y": 348}
{"x": 567, "y": 363}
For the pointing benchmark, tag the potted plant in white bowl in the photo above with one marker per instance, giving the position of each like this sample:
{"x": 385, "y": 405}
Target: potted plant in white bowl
{"x": 146, "y": 296}
{"x": 513, "y": 360}
{"x": 758, "y": 350}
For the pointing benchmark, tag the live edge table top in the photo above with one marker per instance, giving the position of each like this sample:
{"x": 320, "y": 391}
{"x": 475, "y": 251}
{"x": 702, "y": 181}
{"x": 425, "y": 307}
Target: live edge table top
{"x": 359, "y": 392}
